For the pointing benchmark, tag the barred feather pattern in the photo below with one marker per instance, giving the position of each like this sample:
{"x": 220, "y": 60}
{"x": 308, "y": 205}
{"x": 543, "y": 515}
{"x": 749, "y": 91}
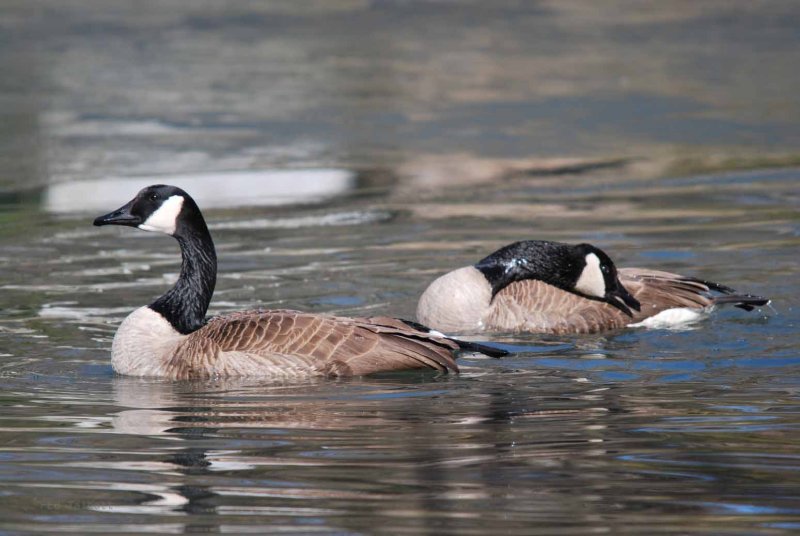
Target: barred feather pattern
{"x": 290, "y": 344}
{"x": 532, "y": 305}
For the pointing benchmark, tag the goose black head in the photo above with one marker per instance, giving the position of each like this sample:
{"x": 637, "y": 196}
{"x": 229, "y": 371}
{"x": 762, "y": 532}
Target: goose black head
{"x": 597, "y": 278}
{"x": 161, "y": 208}
{"x": 582, "y": 269}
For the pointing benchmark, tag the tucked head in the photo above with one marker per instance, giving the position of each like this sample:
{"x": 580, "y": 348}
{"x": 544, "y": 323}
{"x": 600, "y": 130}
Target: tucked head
{"x": 582, "y": 269}
{"x": 161, "y": 208}
{"x": 597, "y": 278}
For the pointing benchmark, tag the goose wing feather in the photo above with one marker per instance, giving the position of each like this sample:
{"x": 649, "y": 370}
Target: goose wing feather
{"x": 657, "y": 290}
{"x": 292, "y": 343}
{"x": 533, "y": 305}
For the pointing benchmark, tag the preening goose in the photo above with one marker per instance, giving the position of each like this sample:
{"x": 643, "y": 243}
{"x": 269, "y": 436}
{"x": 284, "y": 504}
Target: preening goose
{"x": 549, "y": 287}
{"x": 171, "y": 337}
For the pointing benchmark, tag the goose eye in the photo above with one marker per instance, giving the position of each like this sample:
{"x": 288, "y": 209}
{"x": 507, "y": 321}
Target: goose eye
{"x": 604, "y": 268}
{"x": 154, "y": 197}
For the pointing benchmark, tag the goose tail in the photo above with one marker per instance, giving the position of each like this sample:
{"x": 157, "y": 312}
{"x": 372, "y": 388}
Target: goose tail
{"x": 748, "y": 302}
{"x": 464, "y": 346}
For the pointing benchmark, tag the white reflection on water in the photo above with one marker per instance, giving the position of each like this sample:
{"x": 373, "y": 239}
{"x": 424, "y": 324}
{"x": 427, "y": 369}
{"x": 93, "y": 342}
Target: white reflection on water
{"x": 210, "y": 190}
{"x": 166, "y": 503}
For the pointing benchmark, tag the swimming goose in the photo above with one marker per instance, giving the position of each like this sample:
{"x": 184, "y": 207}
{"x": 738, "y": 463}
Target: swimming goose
{"x": 171, "y": 337}
{"x": 550, "y": 287}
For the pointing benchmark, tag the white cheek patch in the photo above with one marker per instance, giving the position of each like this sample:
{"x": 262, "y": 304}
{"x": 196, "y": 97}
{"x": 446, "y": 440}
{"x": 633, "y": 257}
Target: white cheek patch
{"x": 591, "y": 281}
{"x": 165, "y": 218}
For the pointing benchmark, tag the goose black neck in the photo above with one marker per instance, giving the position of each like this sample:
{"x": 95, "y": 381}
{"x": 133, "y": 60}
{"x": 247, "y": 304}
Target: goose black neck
{"x": 550, "y": 262}
{"x": 185, "y": 304}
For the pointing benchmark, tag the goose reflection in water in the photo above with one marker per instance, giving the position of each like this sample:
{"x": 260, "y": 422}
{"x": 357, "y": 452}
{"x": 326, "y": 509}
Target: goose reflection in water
{"x": 388, "y": 443}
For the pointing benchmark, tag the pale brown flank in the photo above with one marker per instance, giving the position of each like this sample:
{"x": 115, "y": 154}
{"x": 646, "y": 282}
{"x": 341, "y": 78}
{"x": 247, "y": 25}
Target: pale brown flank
{"x": 284, "y": 343}
{"x": 535, "y": 306}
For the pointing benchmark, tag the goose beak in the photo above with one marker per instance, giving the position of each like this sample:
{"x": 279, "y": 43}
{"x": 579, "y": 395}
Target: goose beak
{"x": 620, "y": 298}
{"x": 121, "y": 216}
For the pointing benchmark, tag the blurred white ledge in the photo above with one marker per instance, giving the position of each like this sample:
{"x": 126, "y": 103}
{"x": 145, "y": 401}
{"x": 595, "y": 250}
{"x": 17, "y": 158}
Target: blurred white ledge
{"x": 210, "y": 190}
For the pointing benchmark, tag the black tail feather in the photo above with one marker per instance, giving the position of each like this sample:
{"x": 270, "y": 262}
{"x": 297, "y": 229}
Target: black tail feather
{"x": 466, "y": 346}
{"x": 485, "y": 349}
{"x": 415, "y": 325}
{"x": 711, "y": 285}
{"x": 748, "y": 302}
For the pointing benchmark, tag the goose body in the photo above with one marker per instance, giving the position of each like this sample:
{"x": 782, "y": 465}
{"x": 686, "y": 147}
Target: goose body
{"x": 171, "y": 338}
{"x": 550, "y": 287}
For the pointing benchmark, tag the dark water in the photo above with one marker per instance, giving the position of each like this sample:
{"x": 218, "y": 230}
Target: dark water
{"x": 348, "y": 153}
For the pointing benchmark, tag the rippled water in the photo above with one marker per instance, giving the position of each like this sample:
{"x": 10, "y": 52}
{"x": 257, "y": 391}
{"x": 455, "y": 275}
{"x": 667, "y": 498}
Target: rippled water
{"x": 400, "y": 167}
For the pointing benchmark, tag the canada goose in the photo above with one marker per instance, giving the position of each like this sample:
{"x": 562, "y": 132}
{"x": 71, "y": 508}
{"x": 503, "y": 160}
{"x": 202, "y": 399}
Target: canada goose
{"x": 171, "y": 337}
{"x": 550, "y": 287}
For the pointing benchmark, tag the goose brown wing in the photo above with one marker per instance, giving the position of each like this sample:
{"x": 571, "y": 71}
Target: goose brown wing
{"x": 657, "y": 291}
{"x": 245, "y": 342}
{"x": 532, "y": 305}
{"x": 535, "y": 306}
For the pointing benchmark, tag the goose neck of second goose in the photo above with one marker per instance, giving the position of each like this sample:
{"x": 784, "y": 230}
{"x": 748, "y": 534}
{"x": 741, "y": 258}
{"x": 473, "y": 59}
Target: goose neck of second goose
{"x": 186, "y": 303}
